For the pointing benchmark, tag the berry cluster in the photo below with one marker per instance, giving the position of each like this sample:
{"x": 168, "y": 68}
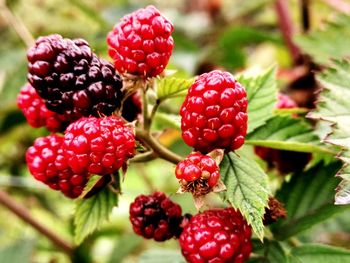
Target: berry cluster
{"x": 71, "y": 79}
{"x": 36, "y": 113}
{"x": 73, "y": 91}
{"x": 220, "y": 235}
{"x": 141, "y": 44}
{"x": 156, "y": 216}
{"x": 197, "y": 174}
{"x": 214, "y": 113}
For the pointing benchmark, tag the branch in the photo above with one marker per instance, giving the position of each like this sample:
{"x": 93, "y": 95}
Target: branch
{"x": 158, "y": 148}
{"x": 22, "y": 212}
{"x": 17, "y": 24}
{"x": 286, "y": 27}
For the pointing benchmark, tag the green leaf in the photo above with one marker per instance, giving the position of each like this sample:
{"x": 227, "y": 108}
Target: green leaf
{"x": 171, "y": 87}
{"x": 268, "y": 252}
{"x": 308, "y": 199}
{"x": 316, "y": 253}
{"x": 91, "y": 213}
{"x": 261, "y": 95}
{"x": 318, "y": 44}
{"x": 287, "y": 133}
{"x": 334, "y": 108}
{"x": 161, "y": 256}
{"x": 247, "y": 189}
{"x": 20, "y": 252}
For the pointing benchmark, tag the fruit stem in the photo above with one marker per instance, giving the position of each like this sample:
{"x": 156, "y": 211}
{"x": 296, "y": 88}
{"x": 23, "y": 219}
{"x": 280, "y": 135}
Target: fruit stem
{"x": 159, "y": 149}
{"x": 143, "y": 157}
{"x": 22, "y": 212}
{"x": 146, "y": 119}
{"x": 154, "y": 110}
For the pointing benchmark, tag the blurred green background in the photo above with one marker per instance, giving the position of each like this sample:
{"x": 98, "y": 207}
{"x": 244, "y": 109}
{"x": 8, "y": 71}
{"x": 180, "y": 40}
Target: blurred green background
{"x": 230, "y": 34}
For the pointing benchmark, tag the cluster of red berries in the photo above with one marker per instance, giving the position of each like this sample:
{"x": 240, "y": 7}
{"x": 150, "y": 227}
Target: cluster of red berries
{"x": 217, "y": 235}
{"x": 71, "y": 88}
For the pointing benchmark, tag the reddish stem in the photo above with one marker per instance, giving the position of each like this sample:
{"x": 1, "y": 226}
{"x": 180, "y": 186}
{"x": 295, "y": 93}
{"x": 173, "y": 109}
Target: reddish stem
{"x": 286, "y": 26}
{"x": 22, "y": 212}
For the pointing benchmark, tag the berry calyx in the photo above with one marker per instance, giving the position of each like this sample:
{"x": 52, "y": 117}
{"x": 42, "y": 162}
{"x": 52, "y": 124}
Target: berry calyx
{"x": 71, "y": 79}
{"x": 155, "y": 216}
{"x": 141, "y": 43}
{"x": 46, "y": 163}
{"x": 214, "y": 113}
{"x": 36, "y": 113}
{"x": 197, "y": 174}
{"x": 218, "y": 235}
{"x": 98, "y": 145}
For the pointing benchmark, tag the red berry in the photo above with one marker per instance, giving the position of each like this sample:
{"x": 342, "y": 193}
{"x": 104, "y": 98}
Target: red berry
{"x": 98, "y": 145}
{"x": 285, "y": 102}
{"x": 36, "y": 113}
{"x": 141, "y": 43}
{"x": 197, "y": 174}
{"x": 47, "y": 164}
{"x": 214, "y": 113}
{"x": 155, "y": 216}
{"x": 284, "y": 161}
{"x": 219, "y": 235}
{"x": 71, "y": 79}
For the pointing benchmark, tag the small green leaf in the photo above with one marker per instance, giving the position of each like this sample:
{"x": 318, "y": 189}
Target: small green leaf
{"x": 316, "y": 253}
{"x": 161, "y": 256}
{"x": 287, "y": 133}
{"x": 308, "y": 199}
{"x": 268, "y": 252}
{"x": 333, "y": 108}
{"x": 91, "y": 213}
{"x": 317, "y": 43}
{"x": 261, "y": 95}
{"x": 247, "y": 189}
{"x": 171, "y": 87}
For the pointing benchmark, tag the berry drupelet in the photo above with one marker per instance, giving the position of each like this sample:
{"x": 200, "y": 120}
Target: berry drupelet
{"x": 213, "y": 115}
{"x": 98, "y": 145}
{"x": 71, "y": 79}
{"x": 141, "y": 43}
{"x": 218, "y": 235}
{"x": 156, "y": 216}
{"x": 36, "y": 113}
{"x": 197, "y": 174}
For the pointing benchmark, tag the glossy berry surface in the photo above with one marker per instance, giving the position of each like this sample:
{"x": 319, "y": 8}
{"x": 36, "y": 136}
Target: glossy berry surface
{"x": 141, "y": 43}
{"x": 47, "y": 164}
{"x": 220, "y": 235}
{"x": 284, "y": 161}
{"x": 98, "y": 145}
{"x": 197, "y": 174}
{"x": 155, "y": 216}
{"x": 36, "y": 113}
{"x": 213, "y": 115}
{"x": 71, "y": 79}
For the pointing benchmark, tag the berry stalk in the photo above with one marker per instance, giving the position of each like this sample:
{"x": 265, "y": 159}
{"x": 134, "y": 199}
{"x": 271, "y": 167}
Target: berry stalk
{"x": 22, "y": 212}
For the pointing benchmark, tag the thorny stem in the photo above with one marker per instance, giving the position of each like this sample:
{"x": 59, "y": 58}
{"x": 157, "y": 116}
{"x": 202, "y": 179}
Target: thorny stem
{"x": 22, "y": 212}
{"x": 159, "y": 149}
{"x": 17, "y": 24}
{"x": 286, "y": 27}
